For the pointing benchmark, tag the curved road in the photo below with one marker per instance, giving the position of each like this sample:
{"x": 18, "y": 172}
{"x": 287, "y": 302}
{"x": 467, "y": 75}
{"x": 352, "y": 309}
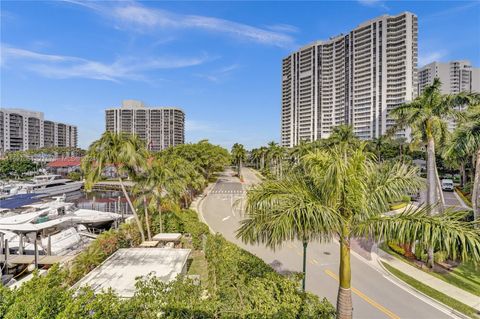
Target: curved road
{"x": 375, "y": 294}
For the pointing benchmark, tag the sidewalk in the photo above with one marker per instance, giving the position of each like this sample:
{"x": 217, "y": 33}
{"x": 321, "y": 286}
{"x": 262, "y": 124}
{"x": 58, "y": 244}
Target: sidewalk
{"x": 433, "y": 282}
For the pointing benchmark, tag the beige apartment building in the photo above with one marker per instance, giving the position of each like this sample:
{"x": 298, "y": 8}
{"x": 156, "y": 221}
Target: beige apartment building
{"x": 456, "y": 76}
{"x": 159, "y": 127}
{"x": 354, "y": 79}
{"x": 22, "y": 130}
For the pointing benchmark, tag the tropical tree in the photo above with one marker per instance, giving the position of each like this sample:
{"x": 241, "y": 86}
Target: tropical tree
{"x": 428, "y": 116}
{"x": 343, "y": 134}
{"x": 466, "y": 143}
{"x": 126, "y": 153}
{"x": 346, "y": 192}
{"x": 297, "y": 214}
{"x": 275, "y": 155}
{"x": 239, "y": 155}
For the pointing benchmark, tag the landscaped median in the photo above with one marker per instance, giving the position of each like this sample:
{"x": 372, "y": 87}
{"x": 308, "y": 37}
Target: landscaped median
{"x": 451, "y": 294}
{"x": 432, "y": 293}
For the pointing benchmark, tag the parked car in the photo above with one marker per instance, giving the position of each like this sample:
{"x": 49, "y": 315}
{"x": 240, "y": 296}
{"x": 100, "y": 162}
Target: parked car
{"x": 447, "y": 185}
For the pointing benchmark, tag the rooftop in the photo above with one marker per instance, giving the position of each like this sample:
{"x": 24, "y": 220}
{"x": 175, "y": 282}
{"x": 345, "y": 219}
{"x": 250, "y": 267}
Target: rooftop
{"x": 120, "y": 270}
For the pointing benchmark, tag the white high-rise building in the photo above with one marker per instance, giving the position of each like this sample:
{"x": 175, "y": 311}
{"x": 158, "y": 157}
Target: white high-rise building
{"x": 159, "y": 127}
{"x": 354, "y": 78}
{"x": 22, "y": 130}
{"x": 456, "y": 76}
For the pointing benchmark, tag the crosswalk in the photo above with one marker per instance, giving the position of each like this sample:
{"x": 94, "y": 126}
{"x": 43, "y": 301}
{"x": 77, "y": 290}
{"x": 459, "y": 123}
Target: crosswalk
{"x": 227, "y": 191}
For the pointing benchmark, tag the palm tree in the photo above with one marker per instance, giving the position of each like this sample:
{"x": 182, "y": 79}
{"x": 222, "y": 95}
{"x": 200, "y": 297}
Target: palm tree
{"x": 427, "y": 116}
{"x": 343, "y": 134}
{"x": 275, "y": 154}
{"x": 297, "y": 214}
{"x": 239, "y": 156}
{"x": 162, "y": 184}
{"x": 346, "y": 193}
{"x": 126, "y": 153}
{"x": 465, "y": 143}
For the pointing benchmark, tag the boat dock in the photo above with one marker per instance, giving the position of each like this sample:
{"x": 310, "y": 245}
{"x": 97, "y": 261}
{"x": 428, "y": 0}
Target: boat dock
{"x": 112, "y": 185}
{"x": 30, "y": 259}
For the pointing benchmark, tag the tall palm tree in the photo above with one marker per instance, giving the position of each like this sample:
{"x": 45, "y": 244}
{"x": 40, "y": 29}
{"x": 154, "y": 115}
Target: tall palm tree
{"x": 163, "y": 185}
{"x": 348, "y": 195}
{"x": 466, "y": 143}
{"x": 427, "y": 116}
{"x": 239, "y": 155}
{"x": 297, "y": 214}
{"x": 126, "y": 153}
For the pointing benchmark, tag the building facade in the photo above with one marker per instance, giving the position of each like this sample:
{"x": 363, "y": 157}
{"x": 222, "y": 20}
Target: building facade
{"x": 159, "y": 127}
{"x": 22, "y": 130}
{"x": 354, "y": 79}
{"x": 456, "y": 77}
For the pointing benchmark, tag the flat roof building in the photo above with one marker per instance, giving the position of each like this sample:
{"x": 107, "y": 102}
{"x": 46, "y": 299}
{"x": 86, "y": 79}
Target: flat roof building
{"x": 22, "y": 130}
{"x": 159, "y": 127}
{"x": 354, "y": 78}
{"x": 456, "y": 76}
{"x": 120, "y": 270}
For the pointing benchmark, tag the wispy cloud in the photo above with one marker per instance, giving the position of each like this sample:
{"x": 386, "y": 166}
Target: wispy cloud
{"x": 449, "y": 11}
{"x": 432, "y": 56}
{"x": 374, "y": 3}
{"x": 62, "y": 66}
{"x": 219, "y": 74}
{"x": 133, "y": 15}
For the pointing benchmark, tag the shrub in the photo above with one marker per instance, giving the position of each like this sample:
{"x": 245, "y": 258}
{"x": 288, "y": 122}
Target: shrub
{"x": 396, "y": 248}
{"x": 440, "y": 256}
{"x": 75, "y": 176}
{"x": 247, "y": 287}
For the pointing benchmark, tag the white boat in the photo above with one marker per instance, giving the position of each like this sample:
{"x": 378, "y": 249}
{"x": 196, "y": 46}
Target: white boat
{"x": 47, "y": 185}
{"x": 87, "y": 217}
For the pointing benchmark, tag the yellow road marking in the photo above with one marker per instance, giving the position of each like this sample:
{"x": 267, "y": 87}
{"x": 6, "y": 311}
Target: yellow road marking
{"x": 314, "y": 261}
{"x": 389, "y": 313}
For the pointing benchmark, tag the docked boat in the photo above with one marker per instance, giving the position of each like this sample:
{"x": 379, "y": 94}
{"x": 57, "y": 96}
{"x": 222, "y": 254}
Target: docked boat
{"x": 47, "y": 185}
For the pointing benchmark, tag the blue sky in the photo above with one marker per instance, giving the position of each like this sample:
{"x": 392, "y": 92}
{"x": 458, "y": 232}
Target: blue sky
{"x": 219, "y": 61}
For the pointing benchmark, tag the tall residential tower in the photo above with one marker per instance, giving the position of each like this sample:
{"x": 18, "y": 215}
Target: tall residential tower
{"x": 22, "y": 130}
{"x": 456, "y": 76}
{"x": 354, "y": 79}
{"x": 159, "y": 127}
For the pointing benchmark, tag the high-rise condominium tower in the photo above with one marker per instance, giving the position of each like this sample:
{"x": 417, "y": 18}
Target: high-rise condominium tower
{"x": 22, "y": 130}
{"x": 456, "y": 76}
{"x": 350, "y": 79}
{"x": 159, "y": 127}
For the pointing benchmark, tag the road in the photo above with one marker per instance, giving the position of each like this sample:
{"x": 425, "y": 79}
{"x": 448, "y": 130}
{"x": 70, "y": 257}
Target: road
{"x": 375, "y": 294}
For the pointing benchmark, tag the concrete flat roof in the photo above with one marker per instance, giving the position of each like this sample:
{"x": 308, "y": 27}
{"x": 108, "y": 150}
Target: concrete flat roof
{"x": 120, "y": 270}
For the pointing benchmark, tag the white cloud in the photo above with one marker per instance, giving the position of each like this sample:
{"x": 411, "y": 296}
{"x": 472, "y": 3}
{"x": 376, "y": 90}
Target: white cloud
{"x": 429, "y": 57}
{"x": 134, "y": 15}
{"x": 219, "y": 74}
{"x": 61, "y": 67}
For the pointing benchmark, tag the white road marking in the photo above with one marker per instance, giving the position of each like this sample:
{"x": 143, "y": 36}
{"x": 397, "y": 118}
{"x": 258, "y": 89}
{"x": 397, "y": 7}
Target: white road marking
{"x": 226, "y": 218}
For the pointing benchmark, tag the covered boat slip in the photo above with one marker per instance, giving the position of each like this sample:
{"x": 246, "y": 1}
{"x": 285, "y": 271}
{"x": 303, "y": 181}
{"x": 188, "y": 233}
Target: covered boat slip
{"x": 120, "y": 270}
{"x": 30, "y": 259}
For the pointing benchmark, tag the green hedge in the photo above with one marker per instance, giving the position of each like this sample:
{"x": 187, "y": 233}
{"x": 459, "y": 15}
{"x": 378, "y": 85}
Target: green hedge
{"x": 239, "y": 285}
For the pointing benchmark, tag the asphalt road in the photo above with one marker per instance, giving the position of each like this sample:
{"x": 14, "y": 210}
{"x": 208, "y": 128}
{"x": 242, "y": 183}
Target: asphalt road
{"x": 375, "y": 294}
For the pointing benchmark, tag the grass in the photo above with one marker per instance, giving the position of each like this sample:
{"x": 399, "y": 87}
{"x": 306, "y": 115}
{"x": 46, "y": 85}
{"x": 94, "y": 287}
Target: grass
{"x": 199, "y": 266}
{"x": 435, "y": 294}
{"x": 465, "y": 276}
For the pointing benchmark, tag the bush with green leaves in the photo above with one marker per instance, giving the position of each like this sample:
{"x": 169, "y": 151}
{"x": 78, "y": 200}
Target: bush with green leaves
{"x": 246, "y": 287}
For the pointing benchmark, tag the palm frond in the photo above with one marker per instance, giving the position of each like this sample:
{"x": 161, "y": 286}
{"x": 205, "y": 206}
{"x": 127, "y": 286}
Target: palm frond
{"x": 447, "y": 232}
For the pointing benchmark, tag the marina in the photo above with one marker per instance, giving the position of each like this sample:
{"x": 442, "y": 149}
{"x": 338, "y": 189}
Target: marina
{"x": 38, "y": 230}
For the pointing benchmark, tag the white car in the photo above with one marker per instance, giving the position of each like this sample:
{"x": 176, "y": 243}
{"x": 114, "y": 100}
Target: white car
{"x": 447, "y": 185}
